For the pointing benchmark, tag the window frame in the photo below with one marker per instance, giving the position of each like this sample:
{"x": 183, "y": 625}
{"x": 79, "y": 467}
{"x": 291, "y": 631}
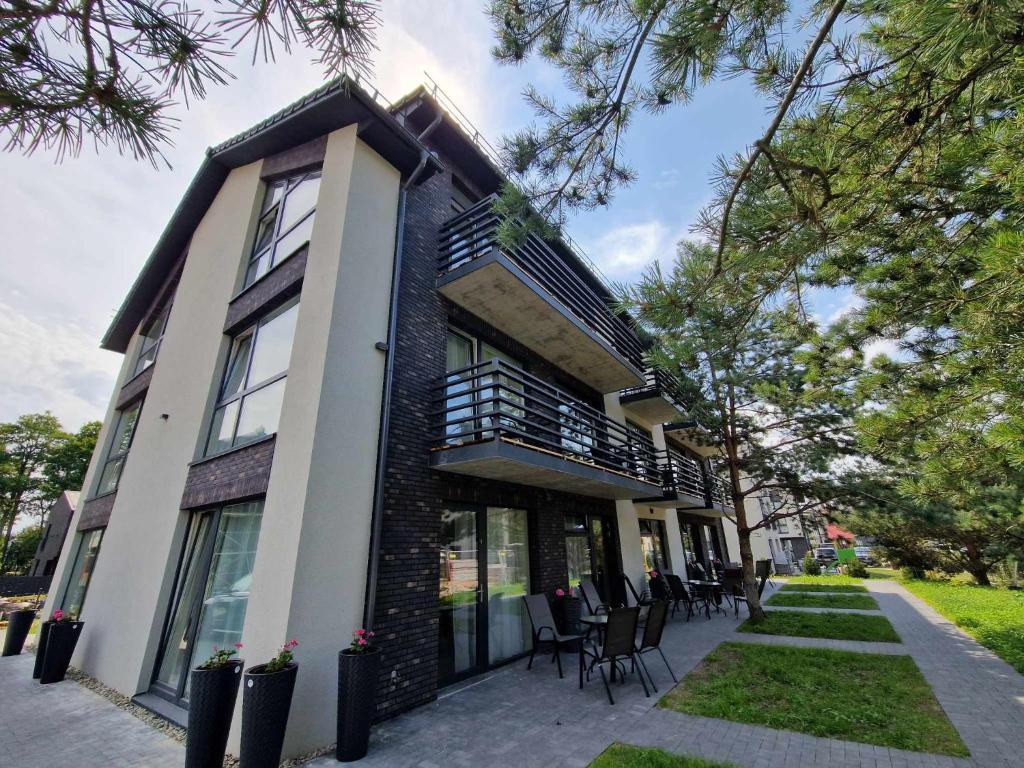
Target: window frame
{"x": 251, "y": 332}
{"x": 289, "y": 184}
{"x": 80, "y": 541}
{"x": 154, "y": 347}
{"x": 109, "y": 457}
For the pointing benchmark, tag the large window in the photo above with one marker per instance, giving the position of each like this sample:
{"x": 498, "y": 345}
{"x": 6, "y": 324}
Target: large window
{"x": 113, "y": 466}
{"x": 87, "y": 549}
{"x": 249, "y": 403}
{"x": 211, "y": 594}
{"x": 286, "y": 223}
{"x": 652, "y": 542}
{"x": 152, "y": 334}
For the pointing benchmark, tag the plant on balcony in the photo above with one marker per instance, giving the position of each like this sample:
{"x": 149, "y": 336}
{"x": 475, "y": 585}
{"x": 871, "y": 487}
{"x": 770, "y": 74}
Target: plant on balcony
{"x": 266, "y": 703}
{"x": 213, "y": 689}
{"x": 358, "y": 668}
{"x": 57, "y": 646}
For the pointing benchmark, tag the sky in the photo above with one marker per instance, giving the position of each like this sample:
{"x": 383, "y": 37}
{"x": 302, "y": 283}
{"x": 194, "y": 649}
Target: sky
{"x": 78, "y": 232}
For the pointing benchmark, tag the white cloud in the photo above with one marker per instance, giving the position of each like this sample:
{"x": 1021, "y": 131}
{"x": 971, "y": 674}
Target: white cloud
{"x": 55, "y": 367}
{"x": 882, "y": 347}
{"x": 624, "y": 251}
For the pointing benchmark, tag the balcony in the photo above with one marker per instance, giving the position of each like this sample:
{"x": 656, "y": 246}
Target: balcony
{"x": 538, "y": 297}
{"x": 659, "y": 399}
{"x": 498, "y": 422}
{"x": 692, "y": 436}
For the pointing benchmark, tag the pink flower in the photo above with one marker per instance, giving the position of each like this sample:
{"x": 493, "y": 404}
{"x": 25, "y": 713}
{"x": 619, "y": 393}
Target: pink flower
{"x": 359, "y": 632}
{"x": 291, "y": 644}
{"x": 362, "y": 641}
{"x": 239, "y": 646}
{"x": 559, "y": 592}
{"x": 654, "y": 574}
{"x": 58, "y": 615}
{"x": 371, "y": 634}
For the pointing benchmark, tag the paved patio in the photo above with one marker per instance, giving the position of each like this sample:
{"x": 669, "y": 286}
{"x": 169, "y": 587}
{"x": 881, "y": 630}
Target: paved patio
{"x": 42, "y": 726}
{"x": 518, "y": 718}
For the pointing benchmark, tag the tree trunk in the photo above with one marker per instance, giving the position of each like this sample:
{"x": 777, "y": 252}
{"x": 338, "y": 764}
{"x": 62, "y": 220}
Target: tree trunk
{"x": 749, "y": 578}
{"x": 6, "y": 547}
{"x": 980, "y": 573}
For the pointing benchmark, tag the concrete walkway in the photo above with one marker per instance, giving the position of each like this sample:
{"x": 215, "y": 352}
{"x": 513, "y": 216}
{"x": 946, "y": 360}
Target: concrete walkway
{"x": 521, "y": 719}
{"x": 517, "y": 718}
{"x": 42, "y": 726}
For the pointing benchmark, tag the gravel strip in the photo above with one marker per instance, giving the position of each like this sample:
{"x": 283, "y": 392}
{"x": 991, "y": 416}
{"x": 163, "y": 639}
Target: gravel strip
{"x": 121, "y": 701}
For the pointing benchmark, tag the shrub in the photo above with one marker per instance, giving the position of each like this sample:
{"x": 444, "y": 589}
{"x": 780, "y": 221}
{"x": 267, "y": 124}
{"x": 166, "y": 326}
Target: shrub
{"x": 857, "y": 570}
{"x": 811, "y": 566}
{"x": 908, "y": 572}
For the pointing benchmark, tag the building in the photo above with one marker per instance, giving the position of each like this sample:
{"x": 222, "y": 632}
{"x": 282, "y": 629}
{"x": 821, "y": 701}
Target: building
{"x": 343, "y": 403}
{"x": 58, "y": 520}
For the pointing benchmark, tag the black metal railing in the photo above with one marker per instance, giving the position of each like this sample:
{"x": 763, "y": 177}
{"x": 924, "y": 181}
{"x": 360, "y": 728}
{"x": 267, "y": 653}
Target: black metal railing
{"x": 683, "y": 474}
{"x": 499, "y": 401}
{"x": 472, "y": 234}
{"x": 658, "y": 382}
{"x": 716, "y": 491}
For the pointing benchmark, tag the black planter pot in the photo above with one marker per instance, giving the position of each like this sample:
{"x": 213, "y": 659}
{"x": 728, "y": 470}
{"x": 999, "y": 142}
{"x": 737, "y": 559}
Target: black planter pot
{"x": 211, "y": 703}
{"x": 357, "y": 697}
{"x": 41, "y": 643}
{"x": 60, "y": 646}
{"x": 568, "y": 611}
{"x": 18, "y": 625}
{"x": 266, "y": 701}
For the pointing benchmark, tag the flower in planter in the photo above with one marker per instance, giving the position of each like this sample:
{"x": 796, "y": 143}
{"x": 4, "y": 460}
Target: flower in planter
{"x": 654, "y": 574}
{"x": 220, "y": 658}
{"x": 362, "y": 641}
{"x": 284, "y": 657}
{"x": 62, "y": 617}
{"x": 559, "y": 592}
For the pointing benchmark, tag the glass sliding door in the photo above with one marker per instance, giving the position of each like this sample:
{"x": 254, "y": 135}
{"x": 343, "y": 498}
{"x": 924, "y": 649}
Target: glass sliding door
{"x": 484, "y": 573}
{"x": 459, "y": 593}
{"x": 652, "y": 540}
{"x": 588, "y": 553}
{"x": 211, "y": 594}
{"x": 88, "y": 549}
{"x": 508, "y": 579}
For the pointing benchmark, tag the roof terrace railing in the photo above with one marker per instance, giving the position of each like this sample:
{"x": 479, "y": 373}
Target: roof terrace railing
{"x": 683, "y": 474}
{"x": 473, "y": 234}
{"x": 659, "y": 381}
{"x": 498, "y": 401}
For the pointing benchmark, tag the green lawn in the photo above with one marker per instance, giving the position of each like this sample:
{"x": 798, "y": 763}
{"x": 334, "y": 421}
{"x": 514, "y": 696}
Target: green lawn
{"x": 626, "y": 756}
{"x": 825, "y": 584}
{"x": 810, "y": 600}
{"x": 994, "y": 617}
{"x": 883, "y": 573}
{"x": 833, "y": 626}
{"x": 863, "y": 697}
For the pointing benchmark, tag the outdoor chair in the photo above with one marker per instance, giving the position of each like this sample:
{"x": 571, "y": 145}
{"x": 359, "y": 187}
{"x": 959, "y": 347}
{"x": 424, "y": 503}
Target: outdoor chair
{"x": 592, "y": 598}
{"x": 638, "y": 599}
{"x": 619, "y": 644}
{"x": 545, "y": 630}
{"x": 651, "y": 639}
{"x": 763, "y": 570}
{"x": 733, "y": 582}
{"x": 681, "y": 594}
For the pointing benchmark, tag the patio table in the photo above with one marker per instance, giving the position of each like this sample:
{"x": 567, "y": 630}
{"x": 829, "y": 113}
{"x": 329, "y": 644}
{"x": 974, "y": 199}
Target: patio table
{"x": 707, "y": 588}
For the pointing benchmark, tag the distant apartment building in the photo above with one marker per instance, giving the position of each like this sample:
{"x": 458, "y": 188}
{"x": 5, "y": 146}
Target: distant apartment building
{"x": 58, "y": 521}
{"x": 344, "y": 403}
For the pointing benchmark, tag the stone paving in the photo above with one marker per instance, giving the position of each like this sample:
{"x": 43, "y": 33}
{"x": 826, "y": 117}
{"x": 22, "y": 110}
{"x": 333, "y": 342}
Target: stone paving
{"x": 43, "y": 726}
{"x": 518, "y": 719}
{"x": 521, "y": 719}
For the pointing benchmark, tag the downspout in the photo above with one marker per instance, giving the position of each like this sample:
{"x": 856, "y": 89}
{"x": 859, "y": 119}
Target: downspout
{"x": 377, "y": 512}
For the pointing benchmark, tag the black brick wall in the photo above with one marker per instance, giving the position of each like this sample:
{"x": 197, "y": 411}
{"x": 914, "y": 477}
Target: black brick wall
{"x": 135, "y": 388}
{"x": 275, "y": 288}
{"x": 233, "y": 476}
{"x": 406, "y": 619}
{"x": 96, "y": 512}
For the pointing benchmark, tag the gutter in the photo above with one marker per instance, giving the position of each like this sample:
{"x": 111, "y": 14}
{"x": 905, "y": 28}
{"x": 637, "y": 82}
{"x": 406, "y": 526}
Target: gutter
{"x": 377, "y": 512}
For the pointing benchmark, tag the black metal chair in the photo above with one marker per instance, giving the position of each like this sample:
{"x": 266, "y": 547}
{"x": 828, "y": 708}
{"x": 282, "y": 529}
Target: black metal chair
{"x": 591, "y": 597}
{"x": 542, "y": 621}
{"x": 680, "y": 594}
{"x": 733, "y": 582}
{"x": 619, "y": 644}
{"x": 650, "y": 640}
{"x": 644, "y": 599}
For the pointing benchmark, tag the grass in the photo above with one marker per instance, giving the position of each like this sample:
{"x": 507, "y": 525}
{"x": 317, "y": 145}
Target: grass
{"x": 994, "y": 617}
{"x": 883, "y": 573}
{"x": 811, "y": 600}
{"x": 825, "y": 584}
{"x": 832, "y": 626}
{"x": 626, "y": 756}
{"x": 874, "y": 699}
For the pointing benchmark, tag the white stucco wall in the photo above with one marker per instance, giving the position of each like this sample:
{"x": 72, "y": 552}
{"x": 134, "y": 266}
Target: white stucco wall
{"x": 127, "y": 599}
{"x": 310, "y": 573}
